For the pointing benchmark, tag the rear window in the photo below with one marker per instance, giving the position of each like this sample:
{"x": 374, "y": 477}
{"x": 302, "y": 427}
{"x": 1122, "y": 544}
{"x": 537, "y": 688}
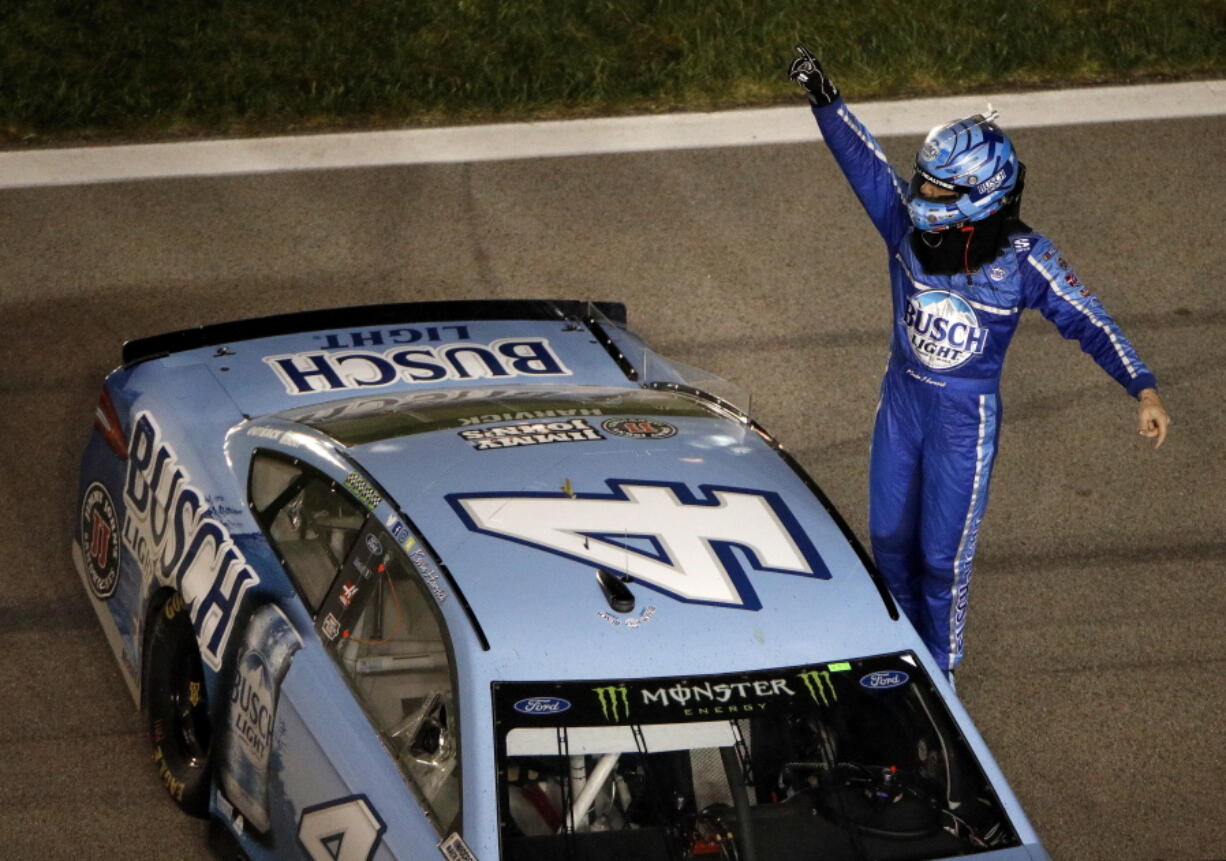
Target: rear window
{"x": 848, "y": 760}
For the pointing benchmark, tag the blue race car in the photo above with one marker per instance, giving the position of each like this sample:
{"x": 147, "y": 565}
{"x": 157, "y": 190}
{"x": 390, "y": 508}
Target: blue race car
{"x": 494, "y": 580}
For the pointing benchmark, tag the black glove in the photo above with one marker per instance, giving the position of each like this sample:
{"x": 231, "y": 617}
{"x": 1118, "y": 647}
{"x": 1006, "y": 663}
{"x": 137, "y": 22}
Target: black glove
{"x": 806, "y": 71}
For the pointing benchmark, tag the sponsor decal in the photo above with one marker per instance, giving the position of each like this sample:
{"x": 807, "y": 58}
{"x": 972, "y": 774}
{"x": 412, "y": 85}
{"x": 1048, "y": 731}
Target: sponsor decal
{"x": 455, "y": 849}
{"x": 692, "y": 546}
{"x": 242, "y": 754}
{"x": 346, "y": 594}
{"x": 639, "y": 428}
{"x": 641, "y": 619}
{"x": 251, "y": 705}
{"x": 322, "y": 371}
{"x": 943, "y": 329}
{"x": 374, "y": 545}
{"x": 720, "y": 692}
{"x": 331, "y": 626}
{"x": 399, "y": 335}
{"x": 363, "y": 490}
{"x": 400, "y": 533}
{"x": 100, "y": 538}
{"x": 532, "y": 433}
{"x": 175, "y": 539}
{"x": 614, "y": 702}
{"x": 1062, "y": 263}
{"x": 991, "y": 183}
{"x": 884, "y": 680}
{"x": 817, "y": 683}
{"x": 542, "y": 706}
{"x": 1021, "y": 244}
{"x": 996, "y": 273}
{"x": 931, "y": 151}
{"x": 1071, "y": 280}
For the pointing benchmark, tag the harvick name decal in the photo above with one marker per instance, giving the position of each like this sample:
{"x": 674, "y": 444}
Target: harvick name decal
{"x": 176, "y": 541}
{"x": 696, "y": 548}
{"x": 322, "y": 371}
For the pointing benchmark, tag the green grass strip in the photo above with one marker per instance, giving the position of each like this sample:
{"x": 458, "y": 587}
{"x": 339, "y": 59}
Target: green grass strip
{"x": 112, "y": 69}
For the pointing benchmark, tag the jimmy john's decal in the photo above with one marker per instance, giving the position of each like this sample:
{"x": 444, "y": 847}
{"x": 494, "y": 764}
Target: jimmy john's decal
{"x": 696, "y": 547}
{"x": 328, "y": 371}
{"x": 100, "y": 540}
{"x": 177, "y": 541}
{"x": 531, "y": 433}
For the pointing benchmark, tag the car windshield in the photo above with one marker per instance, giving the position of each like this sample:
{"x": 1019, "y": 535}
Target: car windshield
{"x": 849, "y": 760}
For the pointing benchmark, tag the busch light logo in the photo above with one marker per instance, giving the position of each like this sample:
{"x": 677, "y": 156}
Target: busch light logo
{"x": 324, "y": 371}
{"x": 943, "y": 329}
{"x": 884, "y": 679}
{"x": 178, "y": 541}
{"x": 542, "y": 706}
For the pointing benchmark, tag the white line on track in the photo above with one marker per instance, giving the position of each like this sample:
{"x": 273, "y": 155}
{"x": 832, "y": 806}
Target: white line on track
{"x": 76, "y": 166}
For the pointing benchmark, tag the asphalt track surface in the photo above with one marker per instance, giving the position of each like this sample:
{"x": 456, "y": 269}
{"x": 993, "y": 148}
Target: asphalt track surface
{"x": 1096, "y": 641}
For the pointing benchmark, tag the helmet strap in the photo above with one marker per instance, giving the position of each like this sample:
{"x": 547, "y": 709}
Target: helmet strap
{"x": 969, "y": 230}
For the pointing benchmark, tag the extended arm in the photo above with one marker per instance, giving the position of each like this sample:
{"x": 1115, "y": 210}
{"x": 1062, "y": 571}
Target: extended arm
{"x": 1053, "y": 287}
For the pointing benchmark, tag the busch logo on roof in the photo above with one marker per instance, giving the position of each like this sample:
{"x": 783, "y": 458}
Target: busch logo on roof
{"x": 323, "y": 371}
{"x": 695, "y": 547}
{"x": 943, "y": 329}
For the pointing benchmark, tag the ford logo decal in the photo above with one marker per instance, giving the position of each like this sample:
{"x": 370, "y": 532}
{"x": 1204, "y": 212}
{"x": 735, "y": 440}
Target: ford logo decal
{"x": 542, "y": 706}
{"x": 881, "y": 680}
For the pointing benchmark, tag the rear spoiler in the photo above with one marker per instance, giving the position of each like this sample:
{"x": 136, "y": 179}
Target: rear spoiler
{"x": 460, "y": 310}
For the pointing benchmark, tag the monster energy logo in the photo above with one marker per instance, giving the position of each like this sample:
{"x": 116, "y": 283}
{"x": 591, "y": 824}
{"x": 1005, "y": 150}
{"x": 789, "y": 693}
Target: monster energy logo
{"x": 818, "y": 684}
{"x": 614, "y": 702}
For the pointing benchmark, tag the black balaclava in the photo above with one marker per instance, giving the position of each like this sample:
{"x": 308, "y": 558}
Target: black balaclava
{"x": 968, "y": 246}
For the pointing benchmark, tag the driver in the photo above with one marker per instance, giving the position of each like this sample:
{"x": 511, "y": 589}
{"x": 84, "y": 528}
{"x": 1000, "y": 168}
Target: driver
{"x": 962, "y": 268}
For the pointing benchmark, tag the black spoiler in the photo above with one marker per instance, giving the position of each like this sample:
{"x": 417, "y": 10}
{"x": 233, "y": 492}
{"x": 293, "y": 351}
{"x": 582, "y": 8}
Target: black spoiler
{"x": 459, "y": 310}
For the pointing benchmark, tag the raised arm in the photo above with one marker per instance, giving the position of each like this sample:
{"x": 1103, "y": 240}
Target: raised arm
{"x": 881, "y": 191}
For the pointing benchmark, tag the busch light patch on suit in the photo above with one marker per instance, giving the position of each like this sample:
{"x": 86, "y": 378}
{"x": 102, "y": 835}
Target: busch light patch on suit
{"x": 542, "y": 705}
{"x": 531, "y": 433}
{"x": 884, "y": 679}
{"x": 324, "y": 371}
{"x": 269, "y": 644}
{"x": 177, "y": 541}
{"x": 943, "y": 329}
{"x": 100, "y": 540}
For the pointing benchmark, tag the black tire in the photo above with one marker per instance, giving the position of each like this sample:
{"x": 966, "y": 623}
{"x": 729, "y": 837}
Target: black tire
{"x": 178, "y": 707}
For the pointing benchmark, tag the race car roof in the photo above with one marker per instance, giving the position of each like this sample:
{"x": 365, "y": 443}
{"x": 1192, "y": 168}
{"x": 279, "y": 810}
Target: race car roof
{"x": 730, "y": 559}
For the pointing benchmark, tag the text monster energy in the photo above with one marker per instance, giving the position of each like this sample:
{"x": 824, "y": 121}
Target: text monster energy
{"x": 818, "y": 683}
{"x": 614, "y": 702}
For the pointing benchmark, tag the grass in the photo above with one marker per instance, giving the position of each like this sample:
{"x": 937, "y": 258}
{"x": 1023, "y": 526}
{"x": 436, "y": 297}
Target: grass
{"x": 121, "y": 69}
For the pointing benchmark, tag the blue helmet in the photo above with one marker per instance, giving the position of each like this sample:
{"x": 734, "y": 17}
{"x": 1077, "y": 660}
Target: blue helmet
{"x": 972, "y": 158}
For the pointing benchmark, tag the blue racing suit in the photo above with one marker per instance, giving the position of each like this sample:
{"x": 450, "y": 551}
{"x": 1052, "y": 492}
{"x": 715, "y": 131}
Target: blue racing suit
{"x": 938, "y": 420}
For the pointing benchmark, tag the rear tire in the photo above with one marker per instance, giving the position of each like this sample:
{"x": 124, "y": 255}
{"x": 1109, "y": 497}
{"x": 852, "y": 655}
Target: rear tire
{"x": 179, "y": 727}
